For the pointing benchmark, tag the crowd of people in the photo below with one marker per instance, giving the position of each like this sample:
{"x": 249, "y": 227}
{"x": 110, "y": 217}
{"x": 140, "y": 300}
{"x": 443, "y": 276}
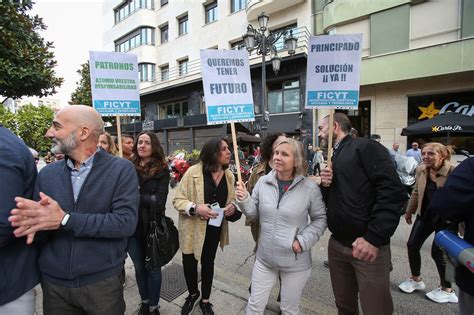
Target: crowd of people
{"x": 71, "y": 226}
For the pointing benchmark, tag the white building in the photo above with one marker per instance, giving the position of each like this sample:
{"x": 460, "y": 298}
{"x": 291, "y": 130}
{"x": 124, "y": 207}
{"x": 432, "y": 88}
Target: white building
{"x": 167, "y": 36}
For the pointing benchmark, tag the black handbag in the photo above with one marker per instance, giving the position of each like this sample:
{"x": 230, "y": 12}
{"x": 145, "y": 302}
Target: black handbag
{"x": 162, "y": 240}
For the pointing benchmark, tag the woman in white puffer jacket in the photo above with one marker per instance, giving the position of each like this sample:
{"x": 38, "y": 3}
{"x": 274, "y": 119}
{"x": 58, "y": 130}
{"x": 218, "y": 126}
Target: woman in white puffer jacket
{"x": 292, "y": 216}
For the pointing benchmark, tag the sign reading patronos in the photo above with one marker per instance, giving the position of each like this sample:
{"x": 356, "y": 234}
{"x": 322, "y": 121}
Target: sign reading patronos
{"x": 227, "y": 86}
{"x": 333, "y": 72}
{"x": 114, "y": 83}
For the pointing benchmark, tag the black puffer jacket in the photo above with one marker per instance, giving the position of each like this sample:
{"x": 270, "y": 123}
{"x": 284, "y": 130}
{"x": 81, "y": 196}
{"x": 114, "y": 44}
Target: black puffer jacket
{"x": 156, "y": 186}
{"x": 366, "y": 194}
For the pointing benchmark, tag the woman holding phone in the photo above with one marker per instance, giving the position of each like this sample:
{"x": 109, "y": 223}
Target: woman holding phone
{"x": 204, "y": 184}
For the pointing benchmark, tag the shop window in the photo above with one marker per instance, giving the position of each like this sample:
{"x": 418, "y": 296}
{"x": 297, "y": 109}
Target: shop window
{"x": 284, "y": 97}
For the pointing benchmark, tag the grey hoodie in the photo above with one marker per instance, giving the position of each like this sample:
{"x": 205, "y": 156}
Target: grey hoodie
{"x": 282, "y": 222}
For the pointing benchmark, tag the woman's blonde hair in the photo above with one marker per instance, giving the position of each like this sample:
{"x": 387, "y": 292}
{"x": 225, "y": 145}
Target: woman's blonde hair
{"x": 112, "y": 148}
{"x": 445, "y": 151}
{"x": 298, "y": 153}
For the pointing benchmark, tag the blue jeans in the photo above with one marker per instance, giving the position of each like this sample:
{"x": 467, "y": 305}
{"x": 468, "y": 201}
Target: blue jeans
{"x": 148, "y": 282}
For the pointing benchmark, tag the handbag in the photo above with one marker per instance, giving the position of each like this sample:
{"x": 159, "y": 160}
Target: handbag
{"x": 162, "y": 240}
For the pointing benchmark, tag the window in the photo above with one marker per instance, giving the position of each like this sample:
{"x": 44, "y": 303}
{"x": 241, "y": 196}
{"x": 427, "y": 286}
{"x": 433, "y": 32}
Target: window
{"x": 211, "y": 12}
{"x": 183, "y": 25}
{"x": 163, "y": 2}
{"x": 236, "y": 5}
{"x": 238, "y": 45}
{"x": 129, "y": 7}
{"x": 183, "y": 67}
{"x": 173, "y": 110}
{"x": 284, "y": 97}
{"x": 146, "y": 72}
{"x": 280, "y": 43}
{"x": 141, "y": 36}
{"x": 165, "y": 73}
{"x": 467, "y": 18}
{"x": 164, "y": 34}
{"x": 390, "y": 30}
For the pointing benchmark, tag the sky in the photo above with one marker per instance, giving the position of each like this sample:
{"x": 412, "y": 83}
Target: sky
{"x": 75, "y": 27}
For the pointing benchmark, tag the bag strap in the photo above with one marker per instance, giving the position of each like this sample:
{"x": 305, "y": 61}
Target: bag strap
{"x": 153, "y": 208}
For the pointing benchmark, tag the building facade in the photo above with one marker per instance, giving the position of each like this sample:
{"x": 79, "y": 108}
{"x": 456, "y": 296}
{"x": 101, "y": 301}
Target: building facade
{"x": 167, "y": 37}
{"x": 417, "y": 61}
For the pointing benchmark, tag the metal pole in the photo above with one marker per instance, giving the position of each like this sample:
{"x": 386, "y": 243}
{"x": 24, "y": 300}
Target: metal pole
{"x": 264, "y": 78}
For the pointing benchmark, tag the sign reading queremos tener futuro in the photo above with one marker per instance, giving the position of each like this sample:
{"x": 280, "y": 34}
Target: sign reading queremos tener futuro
{"x": 114, "y": 83}
{"x": 227, "y": 86}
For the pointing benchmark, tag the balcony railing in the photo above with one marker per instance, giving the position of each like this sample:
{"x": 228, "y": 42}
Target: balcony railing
{"x": 194, "y": 66}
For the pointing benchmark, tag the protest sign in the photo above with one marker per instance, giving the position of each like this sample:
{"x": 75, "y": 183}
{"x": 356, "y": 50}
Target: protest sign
{"x": 333, "y": 73}
{"x": 227, "y": 86}
{"x": 114, "y": 83}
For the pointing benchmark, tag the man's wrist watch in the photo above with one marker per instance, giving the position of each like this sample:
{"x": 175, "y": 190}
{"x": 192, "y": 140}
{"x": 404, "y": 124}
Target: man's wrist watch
{"x": 192, "y": 210}
{"x": 65, "y": 220}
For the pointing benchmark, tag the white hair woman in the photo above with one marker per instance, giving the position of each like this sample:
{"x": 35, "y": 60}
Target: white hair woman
{"x": 282, "y": 201}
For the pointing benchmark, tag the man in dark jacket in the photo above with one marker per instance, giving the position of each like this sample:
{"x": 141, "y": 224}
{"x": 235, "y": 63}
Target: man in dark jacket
{"x": 455, "y": 202}
{"x": 19, "y": 272}
{"x": 364, "y": 196}
{"x": 89, "y": 201}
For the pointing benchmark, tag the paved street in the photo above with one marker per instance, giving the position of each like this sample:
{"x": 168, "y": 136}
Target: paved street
{"x": 233, "y": 273}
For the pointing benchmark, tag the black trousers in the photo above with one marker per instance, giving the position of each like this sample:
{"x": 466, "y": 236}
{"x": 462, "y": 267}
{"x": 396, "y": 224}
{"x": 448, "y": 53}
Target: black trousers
{"x": 103, "y": 297}
{"x": 208, "y": 255}
{"x": 421, "y": 230}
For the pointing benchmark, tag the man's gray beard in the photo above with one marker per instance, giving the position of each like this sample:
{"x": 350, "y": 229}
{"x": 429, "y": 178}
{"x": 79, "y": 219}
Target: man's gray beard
{"x": 65, "y": 146}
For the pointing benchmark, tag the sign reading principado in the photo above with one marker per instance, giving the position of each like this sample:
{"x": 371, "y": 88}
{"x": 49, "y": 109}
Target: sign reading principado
{"x": 114, "y": 83}
{"x": 333, "y": 73}
{"x": 227, "y": 86}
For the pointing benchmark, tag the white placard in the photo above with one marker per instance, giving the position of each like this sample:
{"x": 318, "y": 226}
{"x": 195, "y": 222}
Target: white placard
{"x": 227, "y": 86}
{"x": 114, "y": 83}
{"x": 218, "y": 220}
{"x": 333, "y": 73}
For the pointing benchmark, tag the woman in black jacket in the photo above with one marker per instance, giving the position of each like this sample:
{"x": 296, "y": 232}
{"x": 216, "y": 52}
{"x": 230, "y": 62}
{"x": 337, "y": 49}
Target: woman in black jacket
{"x": 153, "y": 175}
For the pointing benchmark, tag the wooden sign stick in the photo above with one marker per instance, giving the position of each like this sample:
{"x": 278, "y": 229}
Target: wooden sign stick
{"x": 236, "y": 152}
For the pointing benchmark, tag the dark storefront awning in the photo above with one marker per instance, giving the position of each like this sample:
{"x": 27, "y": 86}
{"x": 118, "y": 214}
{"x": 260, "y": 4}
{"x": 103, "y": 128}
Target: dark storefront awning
{"x": 442, "y": 125}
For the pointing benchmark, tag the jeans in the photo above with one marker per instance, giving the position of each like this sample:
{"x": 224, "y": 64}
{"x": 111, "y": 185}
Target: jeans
{"x": 419, "y": 233}
{"x": 148, "y": 282}
{"x": 25, "y": 304}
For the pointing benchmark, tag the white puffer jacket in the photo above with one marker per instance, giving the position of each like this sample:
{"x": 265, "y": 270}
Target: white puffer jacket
{"x": 282, "y": 222}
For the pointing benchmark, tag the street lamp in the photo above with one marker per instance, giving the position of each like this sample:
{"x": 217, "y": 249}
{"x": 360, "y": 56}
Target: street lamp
{"x": 264, "y": 44}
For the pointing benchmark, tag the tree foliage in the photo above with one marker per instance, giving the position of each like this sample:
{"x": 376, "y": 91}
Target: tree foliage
{"x": 30, "y": 123}
{"x": 26, "y": 60}
{"x": 7, "y": 118}
{"x": 82, "y": 94}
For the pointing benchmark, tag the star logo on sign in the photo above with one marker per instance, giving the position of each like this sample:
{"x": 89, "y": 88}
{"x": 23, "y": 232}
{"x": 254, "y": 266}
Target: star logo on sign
{"x": 428, "y": 112}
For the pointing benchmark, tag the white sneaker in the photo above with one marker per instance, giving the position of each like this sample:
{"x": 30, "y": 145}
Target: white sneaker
{"x": 440, "y": 296}
{"x": 411, "y": 285}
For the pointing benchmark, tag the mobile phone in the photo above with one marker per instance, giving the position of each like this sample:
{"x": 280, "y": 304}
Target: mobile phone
{"x": 215, "y": 206}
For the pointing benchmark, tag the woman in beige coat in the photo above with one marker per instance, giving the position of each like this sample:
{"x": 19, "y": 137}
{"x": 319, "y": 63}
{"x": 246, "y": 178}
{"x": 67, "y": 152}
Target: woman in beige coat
{"x": 206, "y": 183}
{"x": 430, "y": 176}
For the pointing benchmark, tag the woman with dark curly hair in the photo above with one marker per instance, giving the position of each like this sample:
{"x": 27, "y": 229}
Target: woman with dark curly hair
{"x": 206, "y": 183}
{"x": 154, "y": 177}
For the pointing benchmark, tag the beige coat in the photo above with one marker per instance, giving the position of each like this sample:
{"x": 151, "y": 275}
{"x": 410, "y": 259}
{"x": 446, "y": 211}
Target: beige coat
{"x": 416, "y": 198}
{"x": 192, "y": 230}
